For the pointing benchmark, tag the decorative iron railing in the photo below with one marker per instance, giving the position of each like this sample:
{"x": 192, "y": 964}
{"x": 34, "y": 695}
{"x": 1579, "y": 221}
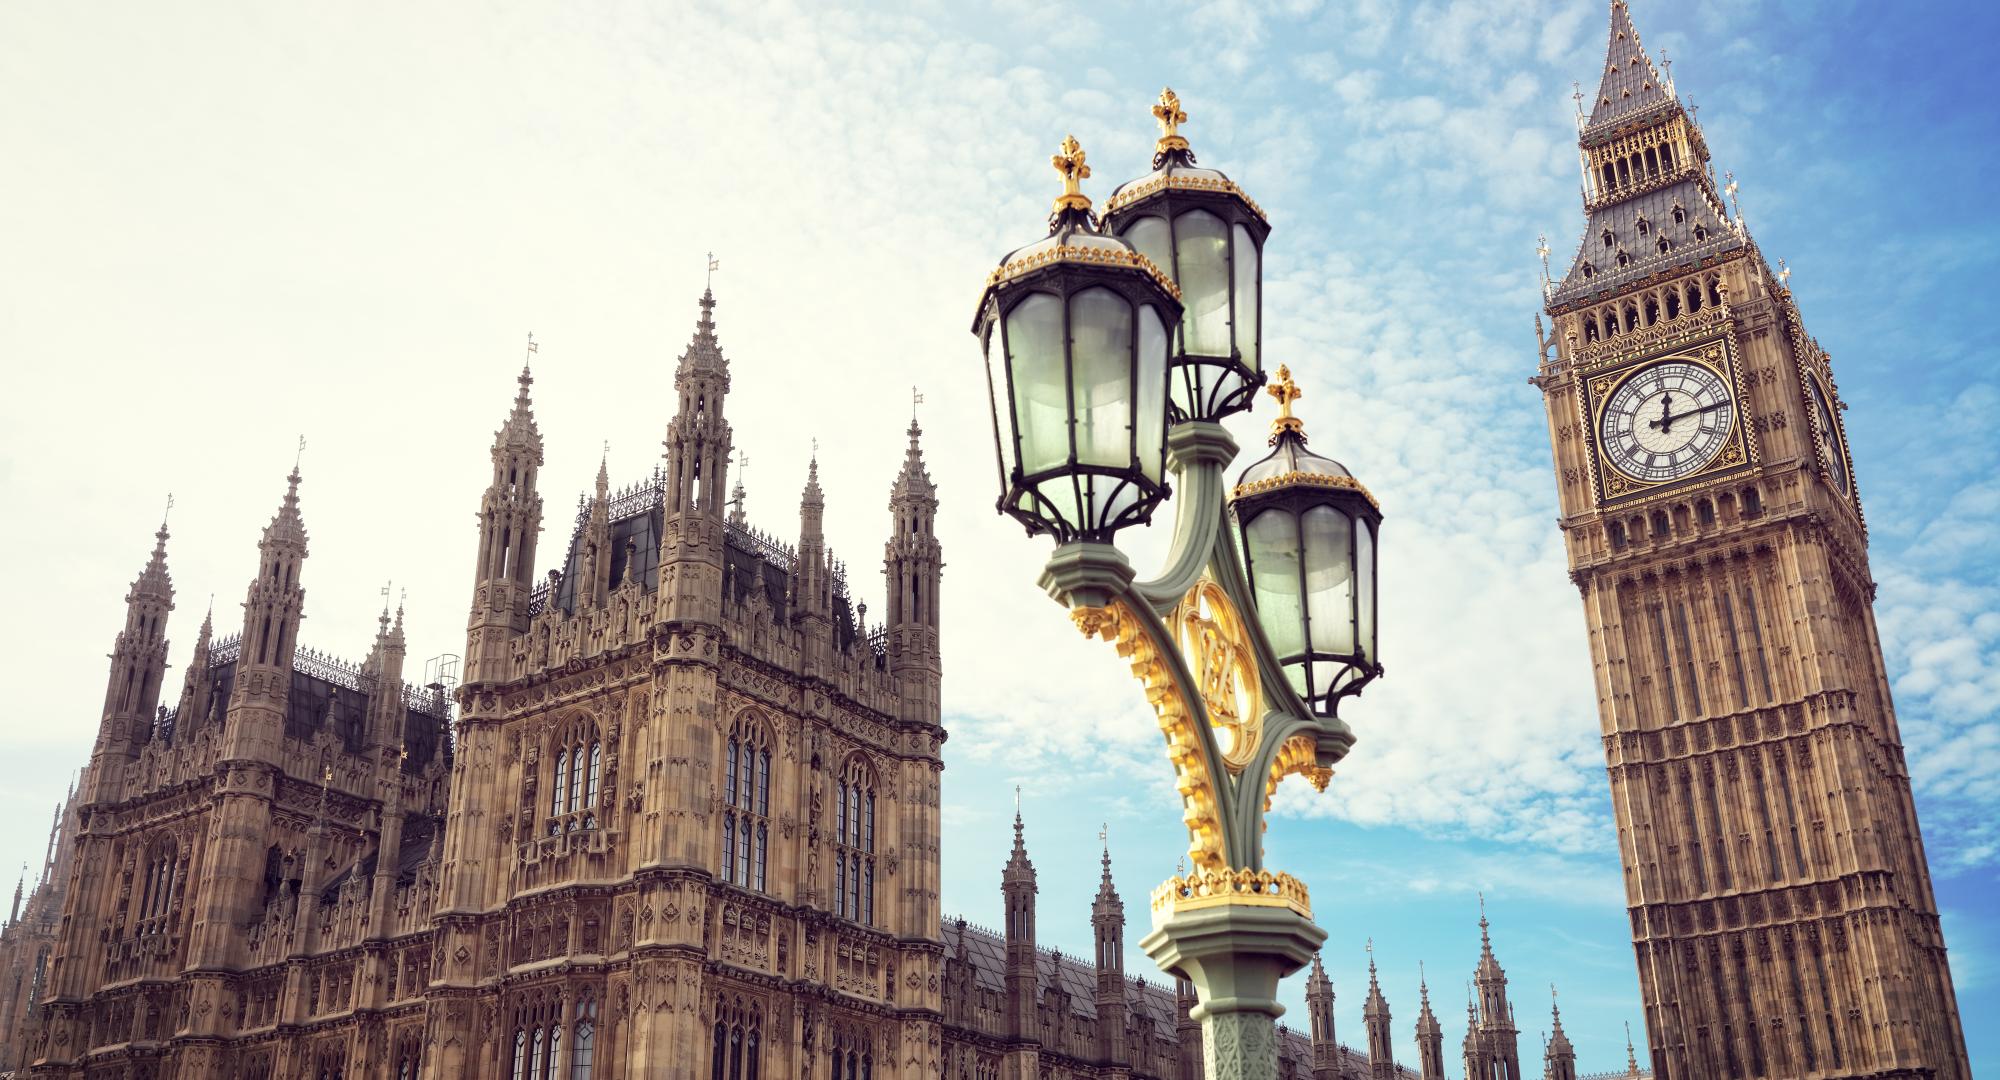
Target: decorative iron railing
{"x": 763, "y": 545}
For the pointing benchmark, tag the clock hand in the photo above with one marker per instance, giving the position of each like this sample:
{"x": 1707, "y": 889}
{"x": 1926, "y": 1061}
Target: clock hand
{"x": 1691, "y": 412}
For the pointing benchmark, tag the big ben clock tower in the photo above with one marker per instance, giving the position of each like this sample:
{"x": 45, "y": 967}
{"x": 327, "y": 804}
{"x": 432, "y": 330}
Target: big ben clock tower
{"x": 1781, "y": 904}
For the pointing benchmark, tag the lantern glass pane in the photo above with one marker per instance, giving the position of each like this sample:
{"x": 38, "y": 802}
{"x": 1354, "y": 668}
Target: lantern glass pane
{"x": 1041, "y": 393}
{"x": 1364, "y": 581}
{"x": 1100, "y": 328}
{"x": 1244, "y": 262}
{"x": 996, "y": 389}
{"x": 1272, "y": 539}
{"x": 1329, "y": 551}
{"x": 1149, "y": 235}
{"x": 1151, "y": 419}
{"x": 1202, "y": 270}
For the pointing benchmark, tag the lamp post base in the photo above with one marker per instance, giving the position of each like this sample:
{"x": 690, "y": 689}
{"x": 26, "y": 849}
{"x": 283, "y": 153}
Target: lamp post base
{"x": 1235, "y": 953}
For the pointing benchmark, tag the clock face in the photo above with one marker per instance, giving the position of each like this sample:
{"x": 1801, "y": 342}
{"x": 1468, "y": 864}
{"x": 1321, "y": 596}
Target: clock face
{"x": 1666, "y": 421}
{"x": 1836, "y": 454}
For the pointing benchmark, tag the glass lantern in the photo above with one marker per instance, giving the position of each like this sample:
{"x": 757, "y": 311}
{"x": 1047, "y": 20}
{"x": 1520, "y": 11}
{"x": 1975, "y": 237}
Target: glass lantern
{"x": 1199, "y": 228}
{"x": 1309, "y": 531}
{"x": 1075, "y": 330}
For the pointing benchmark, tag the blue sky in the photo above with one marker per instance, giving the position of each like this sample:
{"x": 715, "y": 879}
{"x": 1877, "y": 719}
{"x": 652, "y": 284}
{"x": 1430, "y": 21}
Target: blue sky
{"x": 224, "y": 229}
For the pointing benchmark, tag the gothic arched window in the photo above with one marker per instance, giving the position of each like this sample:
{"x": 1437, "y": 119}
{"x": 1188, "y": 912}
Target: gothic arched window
{"x": 1644, "y": 226}
{"x": 583, "y": 1046}
{"x": 576, "y": 760}
{"x": 854, "y": 844}
{"x": 746, "y": 799}
{"x": 1680, "y": 214}
{"x": 737, "y": 1052}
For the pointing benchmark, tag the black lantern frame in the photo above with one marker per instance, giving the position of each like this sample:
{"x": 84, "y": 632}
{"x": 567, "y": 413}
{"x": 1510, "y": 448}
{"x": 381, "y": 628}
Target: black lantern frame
{"x": 1063, "y": 482}
{"x": 1318, "y": 522}
{"x": 1157, "y": 215}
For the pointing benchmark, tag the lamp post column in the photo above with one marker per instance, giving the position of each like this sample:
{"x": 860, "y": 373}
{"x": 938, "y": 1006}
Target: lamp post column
{"x": 1235, "y": 950}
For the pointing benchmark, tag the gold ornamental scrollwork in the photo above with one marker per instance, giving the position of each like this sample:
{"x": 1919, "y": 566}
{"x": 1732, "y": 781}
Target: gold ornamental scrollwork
{"x": 1231, "y": 887}
{"x": 1297, "y": 755}
{"x": 1198, "y": 789}
{"x": 1216, "y": 644}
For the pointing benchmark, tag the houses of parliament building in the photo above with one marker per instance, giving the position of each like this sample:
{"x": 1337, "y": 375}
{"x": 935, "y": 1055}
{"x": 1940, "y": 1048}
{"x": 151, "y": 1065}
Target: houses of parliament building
{"x": 681, "y": 816}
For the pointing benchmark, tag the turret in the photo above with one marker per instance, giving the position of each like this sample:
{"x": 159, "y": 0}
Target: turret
{"x": 1017, "y": 890}
{"x": 698, "y": 447}
{"x": 1375, "y": 1017}
{"x": 197, "y": 699}
{"x": 593, "y": 587}
{"x": 510, "y": 519}
{"x": 384, "y": 669}
{"x": 273, "y": 607}
{"x": 812, "y": 578}
{"x": 1319, "y": 1012}
{"x": 913, "y": 564}
{"x": 1107, "y": 925}
{"x": 138, "y": 665}
{"x": 1430, "y": 1034}
{"x": 1558, "y": 1057}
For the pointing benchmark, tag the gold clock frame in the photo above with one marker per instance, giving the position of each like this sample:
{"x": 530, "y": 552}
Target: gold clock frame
{"x": 1717, "y": 353}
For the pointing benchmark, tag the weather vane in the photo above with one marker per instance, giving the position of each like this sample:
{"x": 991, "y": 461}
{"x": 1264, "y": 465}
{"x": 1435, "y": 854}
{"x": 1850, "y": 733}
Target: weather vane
{"x": 532, "y": 347}
{"x": 714, "y": 264}
{"x": 1542, "y": 249}
{"x": 168, "y": 510}
{"x": 300, "y": 456}
{"x": 916, "y": 399}
{"x": 1784, "y": 282}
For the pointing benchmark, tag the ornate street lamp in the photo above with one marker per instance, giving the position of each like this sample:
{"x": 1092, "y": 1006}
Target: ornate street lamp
{"x": 1308, "y": 529}
{"x": 1201, "y": 229}
{"x": 1244, "y": 665}
{"x": 1075, "y": 331}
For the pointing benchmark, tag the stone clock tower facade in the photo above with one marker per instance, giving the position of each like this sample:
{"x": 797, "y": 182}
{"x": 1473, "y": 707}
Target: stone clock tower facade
{"x": 1781, "y": 904}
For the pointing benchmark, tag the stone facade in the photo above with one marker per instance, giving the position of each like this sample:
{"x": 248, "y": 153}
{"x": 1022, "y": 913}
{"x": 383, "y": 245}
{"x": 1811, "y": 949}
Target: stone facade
{"x": 1780, "y": 900}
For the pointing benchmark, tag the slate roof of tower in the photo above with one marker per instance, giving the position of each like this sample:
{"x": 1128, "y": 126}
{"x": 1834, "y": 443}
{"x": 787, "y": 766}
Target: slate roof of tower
{"x": 1631, "y": 83}
{"x": 1621, "y": 219}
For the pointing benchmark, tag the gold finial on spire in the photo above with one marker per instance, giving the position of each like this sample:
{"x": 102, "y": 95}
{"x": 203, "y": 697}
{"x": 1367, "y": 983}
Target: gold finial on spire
{"x": 1170, "y": 116}
{"x": 1285, "y": 391}
{"x": 1074, "y": 172}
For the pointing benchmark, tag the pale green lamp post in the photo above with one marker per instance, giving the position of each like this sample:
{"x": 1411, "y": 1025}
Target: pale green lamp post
{"x": 1114, "y": 348}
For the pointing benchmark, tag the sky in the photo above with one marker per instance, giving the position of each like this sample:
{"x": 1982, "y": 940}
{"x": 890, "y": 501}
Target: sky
{"x": 222, "y": 227}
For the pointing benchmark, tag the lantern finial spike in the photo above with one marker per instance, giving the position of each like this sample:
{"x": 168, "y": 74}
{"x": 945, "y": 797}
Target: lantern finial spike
{"x": 1170, "y": 116}
{"x": 1285, "y": 391}
{"x": 1070, "y": 163}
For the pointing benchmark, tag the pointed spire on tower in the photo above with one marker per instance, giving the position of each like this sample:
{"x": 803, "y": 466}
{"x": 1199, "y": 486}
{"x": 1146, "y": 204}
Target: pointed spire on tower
{"x": 519, "y": 430}
{"x": 287, "y": 528}
{"x": 1631, "y": 1056}
{"x": 1631, "y": 83}
{"x": 704, "y": 351}
{"x": 1558, "y": 1056}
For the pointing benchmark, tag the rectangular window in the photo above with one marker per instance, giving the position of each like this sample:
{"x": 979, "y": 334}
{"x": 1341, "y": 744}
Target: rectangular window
{"x": 1721, "y": 833}
{"x": 868, "y": 824}
{"x": 868, "y": 894}
{"x": 1687, "y": 657}
{"x": 1735, "y": 649}
{"x": 840, "y": 885}
{"x": 764, "y": 783}
{"x": 1791, "y": 811}
{"x": 1757, "y": 636}
{"x": 729, "y": 777}
{"x": 1666, "y": 663}
{"x": 1759, "y": 778}
{"x": 762, "y": 836}
{"x": 728, "y": 847}
{"x": 1688, "y": 782}
{"x": 840, "y": 813}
